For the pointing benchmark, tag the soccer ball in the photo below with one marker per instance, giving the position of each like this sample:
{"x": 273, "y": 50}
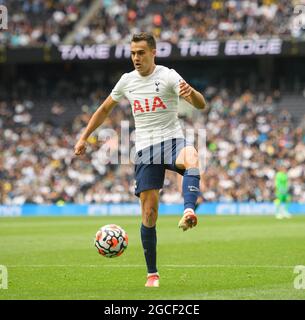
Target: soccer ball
{"x": 111, "y": 241}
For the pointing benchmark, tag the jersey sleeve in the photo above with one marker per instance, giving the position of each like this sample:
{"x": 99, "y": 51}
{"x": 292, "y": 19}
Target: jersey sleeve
{"x": 174, "y": 80}
{"x": 117, "y": 92}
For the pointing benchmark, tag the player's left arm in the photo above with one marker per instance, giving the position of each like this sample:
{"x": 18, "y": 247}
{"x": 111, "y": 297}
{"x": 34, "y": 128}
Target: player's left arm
{"x": 191, "y": 95}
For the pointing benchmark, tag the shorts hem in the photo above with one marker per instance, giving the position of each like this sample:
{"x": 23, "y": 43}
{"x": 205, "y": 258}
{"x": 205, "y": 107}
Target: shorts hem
{"x": 137, "y": 193}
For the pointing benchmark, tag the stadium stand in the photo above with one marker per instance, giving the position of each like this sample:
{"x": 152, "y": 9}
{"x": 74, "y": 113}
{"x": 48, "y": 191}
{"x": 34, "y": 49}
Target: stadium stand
{"x": 39, "y": 22}
{"x": 248, "y": 137}
{"x": 112, "y": 21}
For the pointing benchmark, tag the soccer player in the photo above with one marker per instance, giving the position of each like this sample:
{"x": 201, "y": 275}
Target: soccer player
{"x": 282, "y": 194}
{"x": 153, "y": 92}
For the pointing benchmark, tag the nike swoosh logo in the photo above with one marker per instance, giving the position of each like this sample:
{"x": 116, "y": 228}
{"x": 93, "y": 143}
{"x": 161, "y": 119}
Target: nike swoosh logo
{"x": 193, "y": 188}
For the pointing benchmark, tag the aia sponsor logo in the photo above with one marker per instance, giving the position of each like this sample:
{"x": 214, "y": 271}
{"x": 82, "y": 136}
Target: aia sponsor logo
{"x": 148, "y": 107}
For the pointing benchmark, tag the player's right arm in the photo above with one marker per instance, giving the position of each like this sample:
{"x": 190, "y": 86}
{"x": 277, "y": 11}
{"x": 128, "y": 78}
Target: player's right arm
{"x": 95, "y": 121}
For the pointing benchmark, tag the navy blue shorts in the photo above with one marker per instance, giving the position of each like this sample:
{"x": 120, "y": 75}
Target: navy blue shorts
{"x": 151, "y": 163}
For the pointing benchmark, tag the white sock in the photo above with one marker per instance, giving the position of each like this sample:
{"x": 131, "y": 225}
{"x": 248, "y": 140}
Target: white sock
{"x": 188, "y": 209}
{"x": 153, "y": 274}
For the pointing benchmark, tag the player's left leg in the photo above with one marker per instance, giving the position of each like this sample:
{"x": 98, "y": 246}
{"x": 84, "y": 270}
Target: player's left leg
{"x": 200, "y": 198}
{"x": 282, "y": 203}
{"x": 188, "y": 160}
{"x": 278, "y": 208}
{"x": 286, "y": 206}
{"x": 149, "y": 207}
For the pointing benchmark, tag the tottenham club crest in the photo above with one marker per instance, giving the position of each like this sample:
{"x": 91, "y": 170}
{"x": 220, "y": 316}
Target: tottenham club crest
{"x": 157, "y": 83}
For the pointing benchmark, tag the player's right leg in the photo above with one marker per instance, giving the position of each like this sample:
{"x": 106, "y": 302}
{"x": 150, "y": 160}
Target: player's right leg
{"x": 149, "y": 208}
{"x": 149, "y": 180}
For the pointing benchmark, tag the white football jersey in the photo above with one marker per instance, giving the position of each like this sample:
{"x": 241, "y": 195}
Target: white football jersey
{"x": 154, "y": 102}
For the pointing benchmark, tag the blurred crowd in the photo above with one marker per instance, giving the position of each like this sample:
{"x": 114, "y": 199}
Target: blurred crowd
{"x": 247, "y": 141}
{"x": 34, "y": 22}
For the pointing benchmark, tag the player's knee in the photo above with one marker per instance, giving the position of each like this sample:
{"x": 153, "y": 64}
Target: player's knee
{"x": 188, "y": 159}
{"x": 192, "y": 162}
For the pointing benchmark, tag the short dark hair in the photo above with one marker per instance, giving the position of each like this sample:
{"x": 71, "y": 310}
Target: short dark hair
{"x": 145, "y": 36}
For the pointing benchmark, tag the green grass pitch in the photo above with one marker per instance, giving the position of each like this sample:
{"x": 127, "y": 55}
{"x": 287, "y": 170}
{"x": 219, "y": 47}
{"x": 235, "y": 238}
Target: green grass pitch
{"x": 224, "y": 257}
